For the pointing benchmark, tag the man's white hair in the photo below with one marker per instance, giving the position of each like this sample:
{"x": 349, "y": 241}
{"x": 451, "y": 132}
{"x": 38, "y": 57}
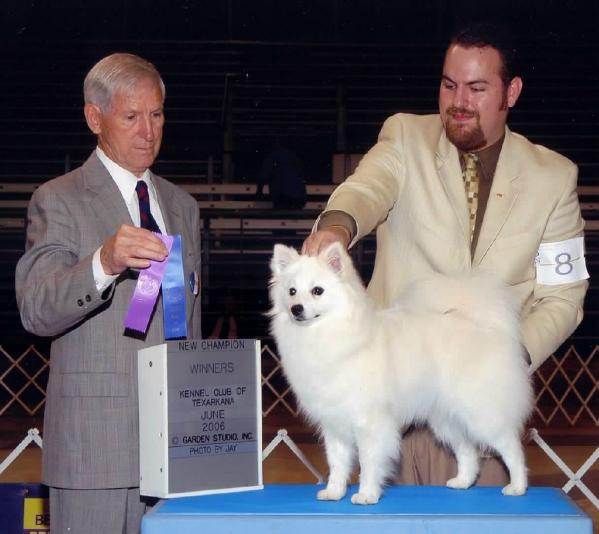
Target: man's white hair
{"x": 114, "y": 73}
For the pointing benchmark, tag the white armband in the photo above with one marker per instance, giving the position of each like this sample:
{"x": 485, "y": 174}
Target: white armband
{"x": 561, "y": 262}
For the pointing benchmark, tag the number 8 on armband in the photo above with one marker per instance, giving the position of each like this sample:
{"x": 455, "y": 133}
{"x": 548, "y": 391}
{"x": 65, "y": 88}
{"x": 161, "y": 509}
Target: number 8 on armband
{"x": 561, "y": 262}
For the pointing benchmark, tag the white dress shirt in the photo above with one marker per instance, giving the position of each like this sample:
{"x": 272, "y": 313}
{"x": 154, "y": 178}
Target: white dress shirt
{"x": 126, "y": 182}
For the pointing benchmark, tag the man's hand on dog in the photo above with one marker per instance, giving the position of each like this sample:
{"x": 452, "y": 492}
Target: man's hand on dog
{"x": 321, "y": 239}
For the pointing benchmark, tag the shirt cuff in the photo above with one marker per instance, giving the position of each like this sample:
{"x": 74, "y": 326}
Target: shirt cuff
{"x": 338, "y": 218}
{"x": 102, "y": 279}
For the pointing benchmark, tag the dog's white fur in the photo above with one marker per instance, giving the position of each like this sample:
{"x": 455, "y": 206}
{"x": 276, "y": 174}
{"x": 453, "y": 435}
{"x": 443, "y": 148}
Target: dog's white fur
{"x": 448, "y": 353}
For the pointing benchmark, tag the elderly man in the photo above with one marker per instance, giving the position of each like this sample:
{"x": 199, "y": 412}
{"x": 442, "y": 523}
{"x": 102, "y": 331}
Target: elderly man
{"x": 84, "y": 250}
{"x": 459, "y": 190}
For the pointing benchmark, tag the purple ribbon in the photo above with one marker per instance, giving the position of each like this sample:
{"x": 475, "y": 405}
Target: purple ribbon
{"x": 146, "y": 291}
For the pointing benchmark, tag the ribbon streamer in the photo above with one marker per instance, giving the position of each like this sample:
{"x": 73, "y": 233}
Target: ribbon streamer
{"x": 146, "y": 291}
{"x": 173, "y": 293}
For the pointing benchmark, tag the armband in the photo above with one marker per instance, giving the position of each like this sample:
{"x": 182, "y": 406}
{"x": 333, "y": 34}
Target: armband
{"x": 561, "y": 262}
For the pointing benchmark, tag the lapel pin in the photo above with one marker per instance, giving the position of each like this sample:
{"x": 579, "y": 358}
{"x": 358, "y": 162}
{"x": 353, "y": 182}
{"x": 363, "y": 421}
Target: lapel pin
{"x": 194, "y": 283}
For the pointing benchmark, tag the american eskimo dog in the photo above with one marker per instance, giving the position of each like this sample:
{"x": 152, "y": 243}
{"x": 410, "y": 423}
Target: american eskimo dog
{"x": 447, "y": 353}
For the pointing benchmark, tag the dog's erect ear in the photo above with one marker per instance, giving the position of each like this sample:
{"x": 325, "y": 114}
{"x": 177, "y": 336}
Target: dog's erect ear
{"x": 282, "y": 257}
{"x": 334, "y": 255}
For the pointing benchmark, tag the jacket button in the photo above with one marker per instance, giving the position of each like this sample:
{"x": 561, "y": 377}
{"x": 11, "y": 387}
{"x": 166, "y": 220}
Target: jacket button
{"x": 79, "y": 302}
{"x": 88, "y": 298}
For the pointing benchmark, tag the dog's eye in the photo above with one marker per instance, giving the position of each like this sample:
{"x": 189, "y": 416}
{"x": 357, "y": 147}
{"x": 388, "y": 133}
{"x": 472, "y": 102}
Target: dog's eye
{"x": 317, "y": 290}
{"x": 292, "y": 291}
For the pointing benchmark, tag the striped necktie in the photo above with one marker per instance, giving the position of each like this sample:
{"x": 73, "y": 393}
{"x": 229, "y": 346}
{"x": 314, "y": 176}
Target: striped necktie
{"x": 471, "y": 180}
{"x": 145, "y": 215}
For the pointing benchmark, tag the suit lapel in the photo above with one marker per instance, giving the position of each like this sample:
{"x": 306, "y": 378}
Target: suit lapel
{"x": 502, "y": 197}
{"x": 105, "y": 199}
{"x": 450, "y": 173}
{"x": 176, "y": 225}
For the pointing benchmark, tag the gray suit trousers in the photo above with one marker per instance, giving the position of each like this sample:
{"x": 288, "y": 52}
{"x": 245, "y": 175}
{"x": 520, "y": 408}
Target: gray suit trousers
{"x": 111, "y": 511}
{"x": 424, "y": 461}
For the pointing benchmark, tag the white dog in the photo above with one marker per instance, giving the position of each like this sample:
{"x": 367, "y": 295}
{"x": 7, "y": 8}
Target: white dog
{"x": 448, "y": 353}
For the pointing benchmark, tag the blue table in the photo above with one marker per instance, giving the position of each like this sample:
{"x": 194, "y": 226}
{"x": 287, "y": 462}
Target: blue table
{"x": 290, "y": 509}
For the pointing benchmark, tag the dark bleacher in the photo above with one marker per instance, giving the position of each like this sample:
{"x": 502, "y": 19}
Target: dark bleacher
{"x": 226, "y": 101}
{"x": 234, "y": 97}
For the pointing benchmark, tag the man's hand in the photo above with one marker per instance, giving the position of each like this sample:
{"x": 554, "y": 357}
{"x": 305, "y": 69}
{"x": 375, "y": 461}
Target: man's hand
{"x": 131, "y": 247}
{"x": 320, "y": 240}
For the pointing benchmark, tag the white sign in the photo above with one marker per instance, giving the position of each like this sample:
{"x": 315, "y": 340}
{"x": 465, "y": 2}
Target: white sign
{"x": 200, "y": 417}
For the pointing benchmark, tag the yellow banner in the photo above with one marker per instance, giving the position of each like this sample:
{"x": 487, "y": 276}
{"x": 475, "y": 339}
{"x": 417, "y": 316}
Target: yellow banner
{"x": 36, "y": 517}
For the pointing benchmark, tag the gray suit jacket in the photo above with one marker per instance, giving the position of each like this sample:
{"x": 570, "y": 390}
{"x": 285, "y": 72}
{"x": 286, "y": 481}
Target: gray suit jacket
{"x": 91, "y": 436}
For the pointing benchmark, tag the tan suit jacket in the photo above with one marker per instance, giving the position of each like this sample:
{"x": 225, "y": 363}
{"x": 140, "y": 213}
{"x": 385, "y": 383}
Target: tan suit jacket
{"x": 409, "y": 187}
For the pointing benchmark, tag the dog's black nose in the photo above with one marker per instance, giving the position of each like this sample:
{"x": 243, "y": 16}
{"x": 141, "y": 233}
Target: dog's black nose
{"x": 297, "y": 310}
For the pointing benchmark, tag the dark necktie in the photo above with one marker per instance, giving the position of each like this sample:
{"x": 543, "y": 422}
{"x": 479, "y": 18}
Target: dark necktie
{"x": 145, "y": 215}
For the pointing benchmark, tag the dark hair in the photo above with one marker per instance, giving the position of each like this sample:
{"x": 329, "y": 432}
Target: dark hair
{"x": 494, "y": 36}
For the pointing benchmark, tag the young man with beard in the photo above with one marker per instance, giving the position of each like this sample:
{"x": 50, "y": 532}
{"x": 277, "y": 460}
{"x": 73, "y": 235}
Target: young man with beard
{"x": 415, "y": 188}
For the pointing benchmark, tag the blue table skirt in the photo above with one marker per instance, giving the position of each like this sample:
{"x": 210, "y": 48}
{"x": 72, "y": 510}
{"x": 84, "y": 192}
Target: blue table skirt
{"x": 415, "y": 509}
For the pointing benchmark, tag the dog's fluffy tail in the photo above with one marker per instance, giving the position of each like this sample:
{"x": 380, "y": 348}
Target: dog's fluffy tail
{"x": 479, "y": 296}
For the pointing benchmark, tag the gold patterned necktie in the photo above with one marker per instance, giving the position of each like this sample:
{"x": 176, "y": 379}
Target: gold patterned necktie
{"x": 471, "y": 180}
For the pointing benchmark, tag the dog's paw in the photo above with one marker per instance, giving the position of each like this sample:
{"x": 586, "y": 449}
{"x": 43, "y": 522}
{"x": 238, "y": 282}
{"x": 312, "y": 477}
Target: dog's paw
{"x": 365, "y": 497}
{"x": 458, "y": 483}
{"x": 331, "y": 493}
{"x": 514, "y": 490}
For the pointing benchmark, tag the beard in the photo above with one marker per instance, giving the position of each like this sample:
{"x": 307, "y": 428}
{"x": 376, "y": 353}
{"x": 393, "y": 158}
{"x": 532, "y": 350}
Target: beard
{"x": 465, "y": 137}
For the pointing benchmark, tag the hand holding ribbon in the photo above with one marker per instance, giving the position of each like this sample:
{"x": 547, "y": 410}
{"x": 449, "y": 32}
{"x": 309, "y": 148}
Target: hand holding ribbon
{"x": 148, "y": 287}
